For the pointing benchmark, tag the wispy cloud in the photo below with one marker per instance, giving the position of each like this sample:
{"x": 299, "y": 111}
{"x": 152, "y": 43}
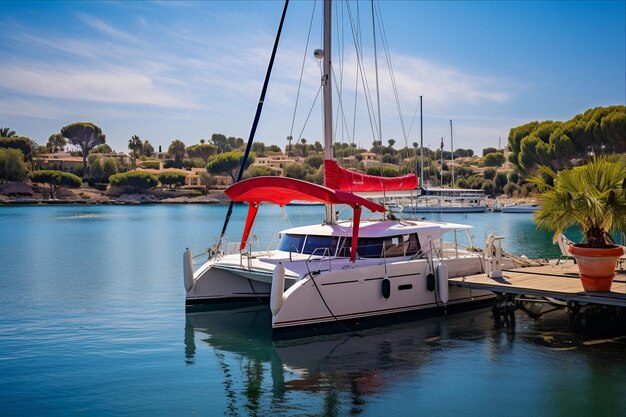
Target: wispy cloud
{"x": 94, "y": 86}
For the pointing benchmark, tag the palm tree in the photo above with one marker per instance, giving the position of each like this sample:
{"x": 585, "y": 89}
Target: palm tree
{"x": 303, "y": 142}
{"x": 592, "y": 196}
{"x": 34, "y": 152}
{"x": 56, "y": 142}
{"x": 135, "y": 145}
{"x": 6, "y": 132}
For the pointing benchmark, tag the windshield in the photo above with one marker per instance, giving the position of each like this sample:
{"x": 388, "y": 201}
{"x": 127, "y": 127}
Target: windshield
{"x": 309, "y": 244}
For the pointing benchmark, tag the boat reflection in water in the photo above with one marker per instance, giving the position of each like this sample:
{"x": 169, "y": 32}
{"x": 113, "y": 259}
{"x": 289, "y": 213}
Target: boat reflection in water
{"x": 343, "y": 373}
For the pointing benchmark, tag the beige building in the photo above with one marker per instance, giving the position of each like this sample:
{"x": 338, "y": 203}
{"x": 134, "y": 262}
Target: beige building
{"x": 276, "y": 163}
{"x": 60, "y": 161}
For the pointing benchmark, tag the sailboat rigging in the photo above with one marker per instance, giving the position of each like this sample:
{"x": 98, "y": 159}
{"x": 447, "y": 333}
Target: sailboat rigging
{"x": 339, "y": 272}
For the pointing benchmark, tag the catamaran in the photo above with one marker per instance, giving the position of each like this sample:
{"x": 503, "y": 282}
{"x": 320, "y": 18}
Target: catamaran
{"x": 338, "y": 273}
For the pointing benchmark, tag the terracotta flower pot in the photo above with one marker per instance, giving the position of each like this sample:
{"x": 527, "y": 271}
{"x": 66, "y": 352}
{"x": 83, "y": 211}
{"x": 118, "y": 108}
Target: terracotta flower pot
{"x": 597, "y": 266}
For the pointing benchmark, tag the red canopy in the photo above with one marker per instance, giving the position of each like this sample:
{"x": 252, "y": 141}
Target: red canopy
{"x": 339, "y": 178}
{"x": 282, "y": 190}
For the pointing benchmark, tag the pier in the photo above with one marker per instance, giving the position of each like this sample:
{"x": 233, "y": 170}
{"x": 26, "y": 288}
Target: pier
{"x": 560, "y": 282}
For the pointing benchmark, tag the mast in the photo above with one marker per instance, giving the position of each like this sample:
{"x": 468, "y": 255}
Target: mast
{"x": 441, "y": 170}
{"x": 329, "y": 217}
{"x": 452, "y": 163}
{"x": 421, "y": 146}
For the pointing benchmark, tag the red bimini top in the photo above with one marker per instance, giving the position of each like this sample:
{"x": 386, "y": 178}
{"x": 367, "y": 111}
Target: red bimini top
{"x": 282, "y": 190}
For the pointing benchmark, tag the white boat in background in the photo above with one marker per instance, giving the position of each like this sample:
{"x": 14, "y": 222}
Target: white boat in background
{"x": 447, "y": 200}
{"x": 321, "y": 277}
{"x": 520, "y": 208}
{"x": 304, "y": 203}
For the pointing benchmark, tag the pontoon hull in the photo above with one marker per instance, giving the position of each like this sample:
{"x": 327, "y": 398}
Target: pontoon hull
{"x": 348, "y": 296}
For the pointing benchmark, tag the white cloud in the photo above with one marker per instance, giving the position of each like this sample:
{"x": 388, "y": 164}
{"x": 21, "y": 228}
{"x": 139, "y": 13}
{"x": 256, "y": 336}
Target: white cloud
{"x": 89, "y": 85}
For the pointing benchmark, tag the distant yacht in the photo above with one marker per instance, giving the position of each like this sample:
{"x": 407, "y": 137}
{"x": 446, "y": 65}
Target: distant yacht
{"x": 447, "y": 200}
{"x": 520, "y": 208}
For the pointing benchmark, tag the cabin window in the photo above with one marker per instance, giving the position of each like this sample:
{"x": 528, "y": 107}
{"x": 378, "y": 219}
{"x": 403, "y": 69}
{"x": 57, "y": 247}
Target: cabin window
{"x": 318, "y": 244}
{"x": 366, "y": 248}
{"x": 291, "y": 243}
{"x": 412, "y": 244}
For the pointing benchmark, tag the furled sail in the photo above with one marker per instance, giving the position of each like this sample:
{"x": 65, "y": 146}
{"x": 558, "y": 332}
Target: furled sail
{"x": 338, "y": 178}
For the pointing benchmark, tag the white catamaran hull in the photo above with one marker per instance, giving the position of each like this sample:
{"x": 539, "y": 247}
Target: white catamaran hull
{"x": 344, "y": 295}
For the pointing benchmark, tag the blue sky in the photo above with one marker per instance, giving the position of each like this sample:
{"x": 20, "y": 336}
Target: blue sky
{"x": 186, "y": 70}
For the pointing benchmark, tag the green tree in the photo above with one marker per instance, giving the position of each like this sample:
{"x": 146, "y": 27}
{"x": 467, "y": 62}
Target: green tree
{"x": 55, "y": 180}
{"x": 6, "y": 132}
{"x": 511, "y": 188}
{"x": 489, "y": 150}
{"x": 12, "y": 166}
{"x": 494, "y": 159}
{"x": 96, "y": 170}
{"x": 314, "y": 161}
{"x": 386, "y": 171}
{"x": 258, "y": 171}
{"x": 599, "y": 130}
{"x": 500, "y": 181}
{"x": 177, "y": 150}
{"x": 296, "y": 171}
{"x": 202, "y": 151}
{"x": 227, "y": 163}
{"x": 172, "y": 179}
{"x": 148, "y": 149}
{"x": 489, "y": 173}
{"x": 134, "y": 181}
{"x": 109, "y": 167}
{"x": 489, "y": 188}
{"x": 56, "y": 142}
{"x": 18, "y": 142}
{"x": 104, "y": 148}
{"x": 85, "y": 136}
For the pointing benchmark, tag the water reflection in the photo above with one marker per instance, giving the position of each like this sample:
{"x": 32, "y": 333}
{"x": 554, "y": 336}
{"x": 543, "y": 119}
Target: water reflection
{"x": 345, "y": 374}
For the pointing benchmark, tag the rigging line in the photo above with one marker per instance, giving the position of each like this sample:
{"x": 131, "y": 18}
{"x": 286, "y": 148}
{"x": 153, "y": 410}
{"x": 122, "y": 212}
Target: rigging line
{"x": 340, "y": 63}
{"x": 356, "y": 80}
{"x": 255, "y": 123}
{"x": 340, "y": 110}
{"x": 341, "y": 323}
{"x": 391, "y": 72}
{"x": 309, "y": 114}
{"x": 361, "y": 72}
{"x": 306, "y": 48}
{"x": 380, "y": 125}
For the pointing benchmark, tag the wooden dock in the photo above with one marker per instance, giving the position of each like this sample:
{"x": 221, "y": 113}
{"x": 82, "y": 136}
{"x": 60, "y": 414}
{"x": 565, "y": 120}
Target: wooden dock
{"x": 553, "y": 281}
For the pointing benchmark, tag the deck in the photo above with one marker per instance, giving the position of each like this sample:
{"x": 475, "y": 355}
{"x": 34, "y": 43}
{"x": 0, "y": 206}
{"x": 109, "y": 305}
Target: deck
{"x": 554, "y": 281}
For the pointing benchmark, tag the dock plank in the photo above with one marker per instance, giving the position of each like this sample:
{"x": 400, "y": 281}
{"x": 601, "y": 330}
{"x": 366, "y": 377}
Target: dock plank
{"x": 559, "y": 282}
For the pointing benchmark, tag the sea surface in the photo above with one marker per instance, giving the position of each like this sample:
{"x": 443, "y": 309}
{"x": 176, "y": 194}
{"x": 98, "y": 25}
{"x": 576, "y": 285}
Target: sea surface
{"x": 92, "y": 323}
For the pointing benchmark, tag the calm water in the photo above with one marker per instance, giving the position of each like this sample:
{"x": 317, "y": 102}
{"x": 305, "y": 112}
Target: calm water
{"x": 92, "y": 323}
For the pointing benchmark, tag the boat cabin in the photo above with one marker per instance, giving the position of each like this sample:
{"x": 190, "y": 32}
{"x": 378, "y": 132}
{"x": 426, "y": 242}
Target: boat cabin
{"x": 387, "y": 239}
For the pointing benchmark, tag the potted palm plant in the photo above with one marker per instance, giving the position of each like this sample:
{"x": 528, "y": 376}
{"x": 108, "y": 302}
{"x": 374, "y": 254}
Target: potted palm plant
{"x": 592, "y": 196}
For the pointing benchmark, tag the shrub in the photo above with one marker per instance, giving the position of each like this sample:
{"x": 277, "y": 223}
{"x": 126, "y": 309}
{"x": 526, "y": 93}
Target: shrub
{"x": 134, "y": 181}
{"x": 17, "y": 142}
{"x": 386, "y": 171}
{"x": 511, "y": 188}
{"x": 172, "y": 179}
{"x": 12, "y": 166}
{"x": 258, "y": 171}
{"x": 494, "y": 159}
{"x": 151, "y": 164}
{"x": 55, "y": 180}
{"x": 489, "y": 173}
